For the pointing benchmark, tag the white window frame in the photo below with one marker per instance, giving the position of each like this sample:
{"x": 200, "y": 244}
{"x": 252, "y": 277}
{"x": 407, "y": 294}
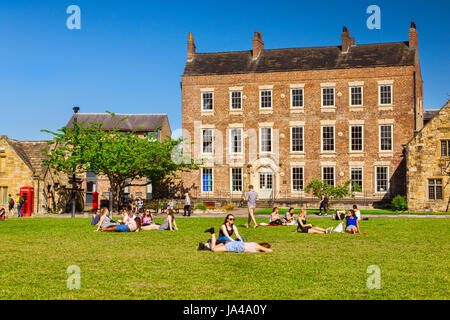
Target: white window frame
{"x": 212, "y": 98}
{"x": 334, "y": 138}
{"x": 350, "y": 96}
{"x": 212, "y": 142}
{"x": 303, "y": 139}
{"x": 379, "y": 94}
{"x": 212, "y": 179}
{"x": 292, "y": 179}
{"x": 231, "y": 100}
{"x": 260, "y": 140}
{"x": 334, "y": 96}
{"x": 350, "y": 138}
{"x": 231, "y": 179}
{"x": 231, "y": 141}
{"x": 334, "y": 173}
{"x": 392, "y": 137}
{"x": 303, "y": 100}
{"x": 260, "y": 99}
{"x": 362, "y": 177}
{"x": 376, "y": 180}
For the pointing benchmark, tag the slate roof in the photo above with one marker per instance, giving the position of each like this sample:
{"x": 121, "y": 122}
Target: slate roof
{"x": 428, "y": 114}
{"x": 31, "y": 153}
{"x": 146, "y": 122}
{"x": 299, "y": 59}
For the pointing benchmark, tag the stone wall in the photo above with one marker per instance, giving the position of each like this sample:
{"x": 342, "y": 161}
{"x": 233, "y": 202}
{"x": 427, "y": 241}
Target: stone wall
{"x": 425, "y": 161}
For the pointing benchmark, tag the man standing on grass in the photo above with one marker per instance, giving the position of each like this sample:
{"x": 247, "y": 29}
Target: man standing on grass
{"x": 10, "y": 204}
{"x": 251, "y": 197}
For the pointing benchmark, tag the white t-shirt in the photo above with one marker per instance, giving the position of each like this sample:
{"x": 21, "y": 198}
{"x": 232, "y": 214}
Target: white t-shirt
{"x": 358, "y": 214}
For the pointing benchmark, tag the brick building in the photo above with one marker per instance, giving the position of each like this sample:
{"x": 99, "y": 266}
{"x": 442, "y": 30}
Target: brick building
{"x": 146, "y": 125}
{"x": 277, "y": 118}
{"x": 428, "y": 163}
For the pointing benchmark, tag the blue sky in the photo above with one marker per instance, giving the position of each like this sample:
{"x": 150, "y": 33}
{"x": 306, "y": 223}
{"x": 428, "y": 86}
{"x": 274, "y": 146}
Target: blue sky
{"x": 129, "y": 56}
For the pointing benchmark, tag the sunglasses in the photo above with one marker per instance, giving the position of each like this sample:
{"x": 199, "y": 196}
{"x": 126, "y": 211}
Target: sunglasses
{"x": 231, "y": 219}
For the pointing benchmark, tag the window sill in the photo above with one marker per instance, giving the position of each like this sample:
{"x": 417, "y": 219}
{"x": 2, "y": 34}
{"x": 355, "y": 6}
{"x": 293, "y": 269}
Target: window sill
{"x": 328, "y": 154}
{"x": 297, "y": 110}
{"x": 236, "y": 112}
{"x": 207, "y": 113}
{"x": 356, "y": 108}
{"x": 266, "y": 111}
{"x": 388, "y": 154}
{"x": 385, "y": 107}
{"x": 356, "y": 154}
{"x": 328, "y": 109}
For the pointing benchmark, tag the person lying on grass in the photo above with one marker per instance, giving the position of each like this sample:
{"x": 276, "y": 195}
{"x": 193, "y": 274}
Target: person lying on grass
{"x": 2, "y": 214}
{"x": 127, "y": 215}
{"x": 351, "y": 223}
{"x": 234, "y": 246}
{"x": 275, "y": 219}
{"x": 309, "y": 228}
{"x": 168, "y": 223}
{"x": 227, "y": 229}
{"x": 130, "y": 226}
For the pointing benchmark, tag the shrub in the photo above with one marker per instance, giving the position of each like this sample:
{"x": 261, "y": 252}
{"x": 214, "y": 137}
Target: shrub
{"x": 200, "y": 206}
{"x": 228, "y": 207}
{"x": 399, "y": 203}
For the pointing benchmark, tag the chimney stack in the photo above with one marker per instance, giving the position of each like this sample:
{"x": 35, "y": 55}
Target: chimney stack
{"x": 191, "y": 47}
{"x": 347, "y": 41}
{"x": 413, "y": 36}
{"x": 258, "y": 44}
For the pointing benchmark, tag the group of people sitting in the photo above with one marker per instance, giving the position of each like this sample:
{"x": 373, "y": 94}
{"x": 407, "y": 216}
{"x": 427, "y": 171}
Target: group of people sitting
{"x": 351, "y": 221}
{"x": 131, "y": 222}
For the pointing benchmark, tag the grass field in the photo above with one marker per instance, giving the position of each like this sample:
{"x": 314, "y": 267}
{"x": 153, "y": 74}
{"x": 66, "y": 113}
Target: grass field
{"x": 412, "y": 254}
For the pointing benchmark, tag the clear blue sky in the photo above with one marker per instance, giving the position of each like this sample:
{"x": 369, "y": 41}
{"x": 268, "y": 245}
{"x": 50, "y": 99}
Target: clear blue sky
{"x": 129, "y": 56}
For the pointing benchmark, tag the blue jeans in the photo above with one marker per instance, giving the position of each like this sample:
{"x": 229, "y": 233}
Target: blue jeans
{"x": 224, "y": 239}
{"x": 19, "y": 211}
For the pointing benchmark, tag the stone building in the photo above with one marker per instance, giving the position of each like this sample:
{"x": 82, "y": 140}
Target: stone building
{"x": 428, "y": 165}
{"x": 146, "y": 125}
{"x": 20, "y": 166}
{"x": 277, "y": 118}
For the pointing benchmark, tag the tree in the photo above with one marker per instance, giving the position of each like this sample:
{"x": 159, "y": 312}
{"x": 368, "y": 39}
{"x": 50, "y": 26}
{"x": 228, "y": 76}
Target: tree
{"x": 120, "y": 156}
{"x": 335, "y": 193}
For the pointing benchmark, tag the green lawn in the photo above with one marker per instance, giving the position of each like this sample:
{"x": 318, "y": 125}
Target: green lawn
{"x": 331, "y": 211}
{"x": 412, "y": 254}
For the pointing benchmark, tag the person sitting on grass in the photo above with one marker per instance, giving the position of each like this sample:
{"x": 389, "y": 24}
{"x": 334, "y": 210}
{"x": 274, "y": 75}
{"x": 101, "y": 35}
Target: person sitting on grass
{"x": 105, "y": 220}
{"x": 127, "y": 215}
{"x": 234, "y": 246}
{"x": 96, "y": 215}
{"x": 275, "y": 219}
{"x": 351, "y": 223}
{"x": 130, "y": 226}
{"x": 2, "y": 214}
{"x": 227, "y": 229}
{"x": 309, "y": 228}
{"x": 289, "y": 217}
{"x": 168, "y": 223}
{"x": 147, "y": 218}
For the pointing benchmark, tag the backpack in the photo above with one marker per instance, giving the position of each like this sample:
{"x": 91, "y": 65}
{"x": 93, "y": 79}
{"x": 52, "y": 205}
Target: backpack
{"x": 11, "y": 201}
{"x": 21, "y": 201}
{"x": 339, "y": 228}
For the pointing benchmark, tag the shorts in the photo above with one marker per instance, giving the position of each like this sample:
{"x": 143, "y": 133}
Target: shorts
{"x": 235, "y": 246}
{"x": 122, "y": 228}
{"x": 159, "y": 228}
{"x": 351, "y": 227}
{"x": 251, "y": 209}
{"x": 305, "y": 229}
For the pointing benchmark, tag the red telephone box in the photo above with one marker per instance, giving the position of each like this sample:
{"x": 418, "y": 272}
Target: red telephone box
{"x": 27, "y": 193}
{"x": 94, "y": 200}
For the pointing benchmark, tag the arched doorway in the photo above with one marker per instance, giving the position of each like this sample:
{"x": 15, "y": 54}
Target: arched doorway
{"x": 264, "y": 177}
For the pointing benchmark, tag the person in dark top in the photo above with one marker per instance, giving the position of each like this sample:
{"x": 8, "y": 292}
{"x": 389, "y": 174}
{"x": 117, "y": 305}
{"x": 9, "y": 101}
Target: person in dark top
{"x": 275, "y": 219}
{"x": 323, "y": 204}
{"x": 308, "y": 228}
{"x": 227, "y": 229}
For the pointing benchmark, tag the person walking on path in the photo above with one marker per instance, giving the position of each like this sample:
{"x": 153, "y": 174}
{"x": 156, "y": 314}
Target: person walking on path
{"x": 187, "y": 205}
{"x": 10, "y": 204}
{"x": 323, "y": 204}
{"x": 251, "y": 197}
{"x": 20, "y": 201}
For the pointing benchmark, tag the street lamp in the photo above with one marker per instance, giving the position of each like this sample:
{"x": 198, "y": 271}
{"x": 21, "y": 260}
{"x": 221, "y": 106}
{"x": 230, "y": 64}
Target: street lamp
{"x": 74, "y": 181}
